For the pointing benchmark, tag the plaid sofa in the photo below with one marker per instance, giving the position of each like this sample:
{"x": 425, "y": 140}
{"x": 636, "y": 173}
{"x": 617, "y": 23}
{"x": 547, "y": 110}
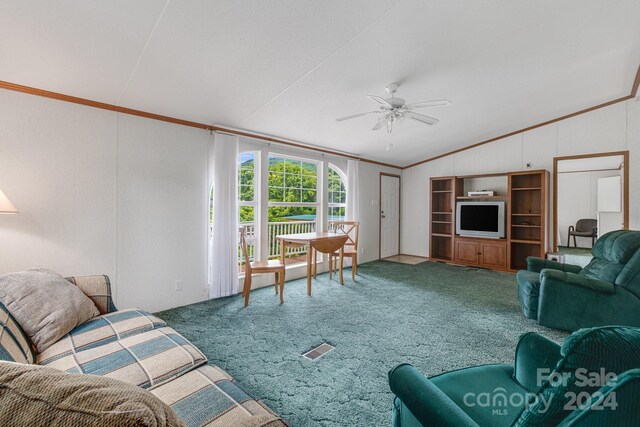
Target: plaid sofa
{"x": 137, "y": 347}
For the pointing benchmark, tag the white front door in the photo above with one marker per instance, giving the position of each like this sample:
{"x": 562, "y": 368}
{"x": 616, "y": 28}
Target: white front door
{"x": 389, "y": 216}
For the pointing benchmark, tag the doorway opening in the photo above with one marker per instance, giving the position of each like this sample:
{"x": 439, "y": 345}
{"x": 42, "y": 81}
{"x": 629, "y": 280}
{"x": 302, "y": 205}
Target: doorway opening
{"x": 591, "y": 198}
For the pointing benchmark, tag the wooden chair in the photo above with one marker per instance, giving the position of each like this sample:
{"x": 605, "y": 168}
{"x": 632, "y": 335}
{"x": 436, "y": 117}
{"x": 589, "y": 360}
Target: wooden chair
{"x": 350, "y": 228}
{"x": 258, "y": 267}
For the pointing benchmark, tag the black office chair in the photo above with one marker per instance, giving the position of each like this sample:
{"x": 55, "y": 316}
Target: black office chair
{"x": 584, "y": 228}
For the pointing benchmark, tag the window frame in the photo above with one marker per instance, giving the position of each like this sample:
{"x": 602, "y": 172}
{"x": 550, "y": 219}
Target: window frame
{"x": 255, "y": 204}
{"x": 343, "y": 178}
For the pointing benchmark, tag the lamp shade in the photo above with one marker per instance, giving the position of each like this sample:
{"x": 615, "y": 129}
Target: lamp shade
{"x": 5, "y": 205}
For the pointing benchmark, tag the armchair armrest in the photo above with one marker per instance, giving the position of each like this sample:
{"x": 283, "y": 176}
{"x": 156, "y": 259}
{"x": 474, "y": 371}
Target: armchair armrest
{"x": 536, "y": 357}
{"x": 538, "y": 264}
{"x": 426, "y": 402}
{"x": 563, "y": 278}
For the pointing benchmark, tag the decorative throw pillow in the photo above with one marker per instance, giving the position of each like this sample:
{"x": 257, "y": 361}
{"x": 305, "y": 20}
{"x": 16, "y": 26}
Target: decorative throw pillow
{"x": 45, "y": 304}
{"x": 37, "y": 396}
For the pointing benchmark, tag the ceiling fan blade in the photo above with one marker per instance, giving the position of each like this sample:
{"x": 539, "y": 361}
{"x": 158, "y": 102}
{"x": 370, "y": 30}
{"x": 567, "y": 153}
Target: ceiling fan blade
{"x": 382, "y": 122}
{"x": 358, "y": 115}
{"x": 436, "y": 103}
{"x": 421, "y": 118}
{"x": 380, "y": 100}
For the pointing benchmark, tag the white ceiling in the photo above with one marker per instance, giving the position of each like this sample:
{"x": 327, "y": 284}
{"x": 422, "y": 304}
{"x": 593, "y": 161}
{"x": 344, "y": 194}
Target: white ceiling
{"x": 288, "y": 68}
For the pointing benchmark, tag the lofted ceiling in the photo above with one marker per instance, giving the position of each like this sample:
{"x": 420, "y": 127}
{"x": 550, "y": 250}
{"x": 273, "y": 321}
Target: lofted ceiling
{"x": 288, "y": 68}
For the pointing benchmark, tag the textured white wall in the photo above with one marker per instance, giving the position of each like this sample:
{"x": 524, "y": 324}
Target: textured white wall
{"x": 613, "y": 128}
{"x": 577, "y": 199}
{"x": 162, "y": 213}
{"x": 107, "y": 193}
{"x": 57, "y": 166}
{"x": 104, "y": 193}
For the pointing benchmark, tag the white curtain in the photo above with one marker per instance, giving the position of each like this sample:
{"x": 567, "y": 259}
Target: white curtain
{"x": 224, "y": 244}
{"x": 352, "y": 213}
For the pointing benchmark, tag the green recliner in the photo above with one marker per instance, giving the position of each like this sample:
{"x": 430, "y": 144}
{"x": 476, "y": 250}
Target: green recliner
{"x": 605, "y": 292}
{"x": 591, "y": 380}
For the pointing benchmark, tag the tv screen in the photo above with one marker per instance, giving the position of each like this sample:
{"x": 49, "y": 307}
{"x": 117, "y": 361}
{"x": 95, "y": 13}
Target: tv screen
{"x": 479, "y": 218}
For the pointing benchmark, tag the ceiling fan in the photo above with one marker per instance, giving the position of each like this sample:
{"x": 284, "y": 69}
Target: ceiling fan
{"x": 395, "y": 109}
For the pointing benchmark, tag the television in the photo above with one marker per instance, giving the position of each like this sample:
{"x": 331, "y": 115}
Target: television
{"x": 480, "y": 219}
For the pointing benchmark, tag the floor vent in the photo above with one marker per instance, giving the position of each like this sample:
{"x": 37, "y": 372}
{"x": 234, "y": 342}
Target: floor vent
{"x": 320, "y": 350}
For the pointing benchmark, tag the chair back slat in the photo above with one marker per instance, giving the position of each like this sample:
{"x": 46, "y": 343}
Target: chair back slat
{"x": 243, "y": 246}
{"x": 350, "y": 228}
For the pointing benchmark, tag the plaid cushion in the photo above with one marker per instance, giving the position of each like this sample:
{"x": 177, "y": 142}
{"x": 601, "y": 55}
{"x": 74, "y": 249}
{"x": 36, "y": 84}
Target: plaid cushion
{"x": 101, "y": 330}
{"x": 209, "y": 397}
{"x": 147, "y": 359}
{"x": 98, "y": 289}
{"x": 14, "y": 344}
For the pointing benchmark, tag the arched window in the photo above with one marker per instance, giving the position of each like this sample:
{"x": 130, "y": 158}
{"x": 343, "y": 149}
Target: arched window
{"x": 337, "y": 194}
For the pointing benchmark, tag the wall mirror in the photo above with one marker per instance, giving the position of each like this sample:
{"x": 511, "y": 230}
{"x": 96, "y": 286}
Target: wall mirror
{"x": 590, "y": 198}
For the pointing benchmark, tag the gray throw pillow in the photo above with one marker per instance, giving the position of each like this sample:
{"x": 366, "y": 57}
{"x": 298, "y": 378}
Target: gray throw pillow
{"x": 45, "y": 304}
{"x": 37, "y": 396}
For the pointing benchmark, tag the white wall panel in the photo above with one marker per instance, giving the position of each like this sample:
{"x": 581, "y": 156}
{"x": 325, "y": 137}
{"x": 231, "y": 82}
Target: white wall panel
{"x": 600, "y": 130}
{"x": 633, "y": 144}
{"x": 499, "y": 156}
{"x": 162, "y": 213}
{"x": 57, "y": 166}
{"x": 416, "y": 204}
{"x": 539, "y": 147}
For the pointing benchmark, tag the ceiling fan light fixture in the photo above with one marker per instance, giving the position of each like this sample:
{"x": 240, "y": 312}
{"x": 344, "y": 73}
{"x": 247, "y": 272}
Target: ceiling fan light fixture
{"x": 396, "y": 109}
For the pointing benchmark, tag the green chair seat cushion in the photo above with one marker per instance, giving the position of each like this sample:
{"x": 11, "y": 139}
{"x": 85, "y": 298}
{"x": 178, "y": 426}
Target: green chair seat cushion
{"x": 483, "y": 393}
{"x": 528, "y": 292}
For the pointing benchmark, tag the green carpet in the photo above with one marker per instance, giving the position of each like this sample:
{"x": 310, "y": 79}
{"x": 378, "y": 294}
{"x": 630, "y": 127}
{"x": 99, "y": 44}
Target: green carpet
{"x": 570, "y": 250}
{"x": 435, "y": 316}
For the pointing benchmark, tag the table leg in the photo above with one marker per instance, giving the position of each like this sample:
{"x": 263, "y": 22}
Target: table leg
{"x": 282, "y": 287}
{"x": 341, "y": 259}
{"x": 309, "y": 262}
{"x": 314, "y": 256}
{"x": 282, "y": 248}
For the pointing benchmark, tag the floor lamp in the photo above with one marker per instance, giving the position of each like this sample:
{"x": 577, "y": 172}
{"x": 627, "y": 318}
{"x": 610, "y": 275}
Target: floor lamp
{"x": 6, "y": 207}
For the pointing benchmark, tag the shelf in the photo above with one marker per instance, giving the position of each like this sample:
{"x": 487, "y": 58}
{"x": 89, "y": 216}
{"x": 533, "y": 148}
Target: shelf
{"x": 524, "y": 225}
{"x": 442, "y": 191}
{"x": 442, "y": 213}
{"x": 441, "y": 222}
{"x": 528, "y": 242}
{"x": 526, "y": 188}
{"x": 524, "y": 214}
{"x": 481, "y": 197}
{"x": 441, "y": 235}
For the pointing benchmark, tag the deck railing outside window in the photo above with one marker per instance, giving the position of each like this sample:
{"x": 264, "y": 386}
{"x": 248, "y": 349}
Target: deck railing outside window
{"x": 275, "y": 229}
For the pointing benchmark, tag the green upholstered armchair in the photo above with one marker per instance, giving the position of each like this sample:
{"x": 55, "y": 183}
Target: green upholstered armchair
{"x": 605, "y": 292}
{"x": 597, "y": 368}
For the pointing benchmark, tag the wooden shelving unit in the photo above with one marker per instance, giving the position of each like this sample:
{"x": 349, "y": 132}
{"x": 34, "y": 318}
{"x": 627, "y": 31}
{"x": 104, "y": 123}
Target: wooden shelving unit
{"x": 441, "y": 218}
{"x": 527, "y": 217}
{"x": 526, "y": 222}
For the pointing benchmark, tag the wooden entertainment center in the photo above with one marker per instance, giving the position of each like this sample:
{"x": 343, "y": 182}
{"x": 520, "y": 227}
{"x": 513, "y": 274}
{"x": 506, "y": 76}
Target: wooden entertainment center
{"x": 526, "y": 197}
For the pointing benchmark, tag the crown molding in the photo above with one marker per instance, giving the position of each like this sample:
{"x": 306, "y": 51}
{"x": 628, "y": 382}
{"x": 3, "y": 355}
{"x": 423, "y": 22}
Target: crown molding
{"x": 634, "y": 91}
{"x": 213, "y": 128}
